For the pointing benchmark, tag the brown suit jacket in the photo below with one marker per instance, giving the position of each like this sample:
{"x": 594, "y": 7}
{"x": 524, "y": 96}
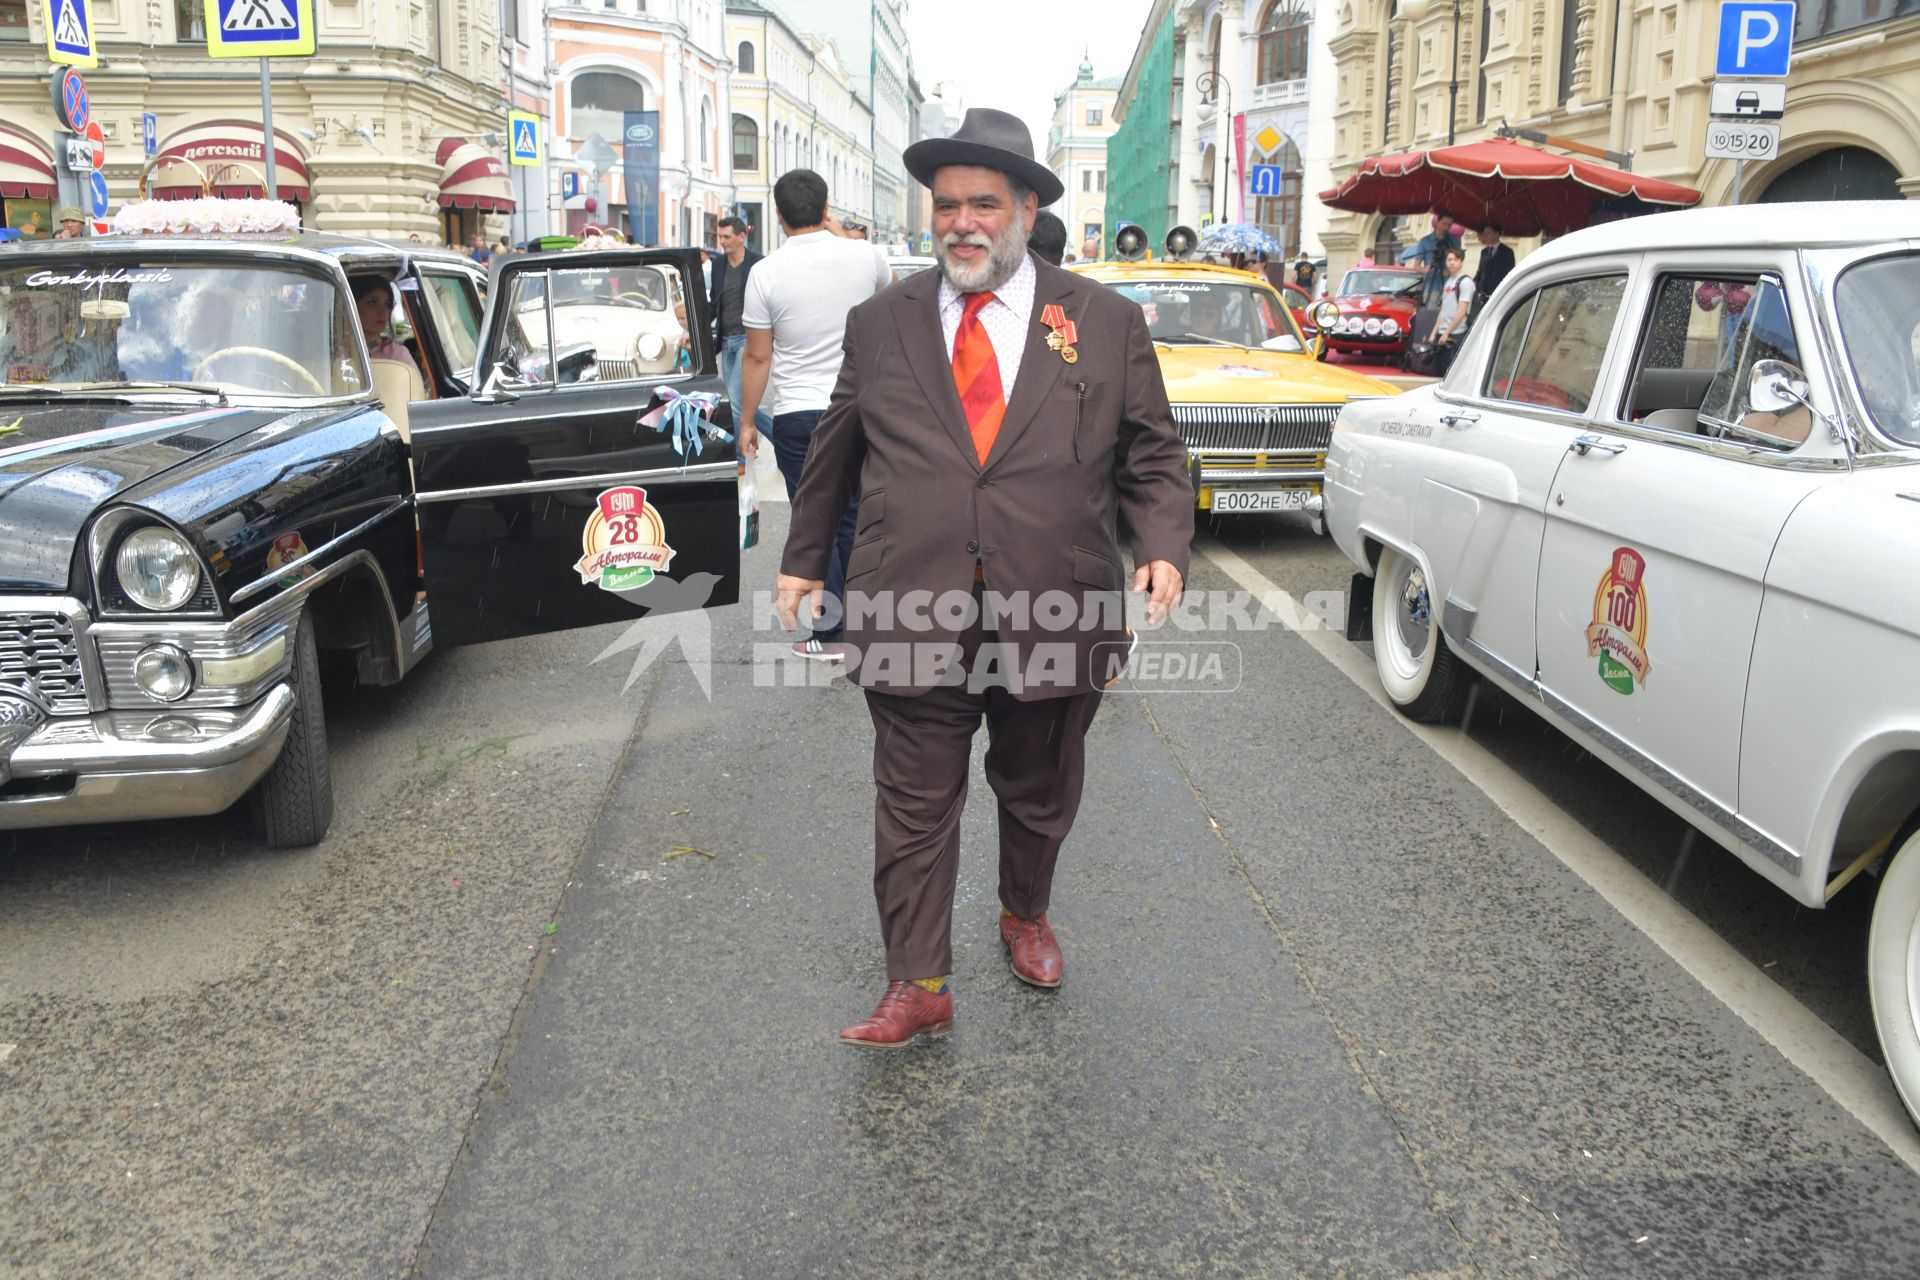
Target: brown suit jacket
{"x": 1038, "y": 518}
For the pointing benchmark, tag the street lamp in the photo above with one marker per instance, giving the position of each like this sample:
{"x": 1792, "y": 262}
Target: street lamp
{"x": 1417, "y": 11}
{"x": 1209, "y": 83}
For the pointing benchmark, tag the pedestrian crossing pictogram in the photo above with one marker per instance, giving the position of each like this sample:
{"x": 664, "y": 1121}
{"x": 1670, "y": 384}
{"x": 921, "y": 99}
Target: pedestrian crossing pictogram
{"x": 523, "y": 138}
{"x": 259, "y": 15}
{"x": 259, "y": 28}
{"x": 69, "y": 25}
{"x": 70, "y": 28}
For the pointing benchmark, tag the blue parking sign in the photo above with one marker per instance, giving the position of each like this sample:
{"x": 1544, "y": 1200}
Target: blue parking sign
{"x": 1756, "y": 38}
{"x": 149, "y": 134}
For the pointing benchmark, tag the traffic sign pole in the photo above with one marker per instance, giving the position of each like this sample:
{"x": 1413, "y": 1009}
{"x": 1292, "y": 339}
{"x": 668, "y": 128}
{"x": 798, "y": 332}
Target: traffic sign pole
{"x": 266, "y": 122}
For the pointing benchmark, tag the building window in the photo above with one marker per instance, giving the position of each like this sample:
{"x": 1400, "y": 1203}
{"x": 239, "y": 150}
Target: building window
{"x": 1279, "y": 216}
{"x": 13, "y": 20}
{"x": 1283, "y": 41}
{"x": 743, "y": 61}
{"x": 706, "y": 132}
{"x": 510, "y": 21}
{"x": 190, "y": 21}
{"x": 1093, "y": 115}
{"x": 1099, "y": 179}
{"x": 1486, "y": 35}
{"x": 746, "y": 145}
{"x": 1086, "y": 179}
{"x": 597, "y": 99}
{"x": 1569, "y": 26}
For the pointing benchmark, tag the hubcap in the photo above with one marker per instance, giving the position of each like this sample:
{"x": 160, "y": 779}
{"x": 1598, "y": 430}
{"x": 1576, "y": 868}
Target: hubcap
{"x": 1415, "y": 615}
{"x": 1913, "y": 974}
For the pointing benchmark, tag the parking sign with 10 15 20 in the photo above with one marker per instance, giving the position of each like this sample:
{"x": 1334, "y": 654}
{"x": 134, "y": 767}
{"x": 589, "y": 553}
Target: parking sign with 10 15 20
{"x": 1742, "y": 140}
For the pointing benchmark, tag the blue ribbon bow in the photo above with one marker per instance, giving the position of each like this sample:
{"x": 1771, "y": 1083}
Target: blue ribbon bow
{"x": 688, "y": 418}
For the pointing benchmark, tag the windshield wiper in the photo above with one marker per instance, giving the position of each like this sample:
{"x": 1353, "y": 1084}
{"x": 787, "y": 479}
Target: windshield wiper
{"x": 1199, "y": 337}
{"x": 201, "y": 388}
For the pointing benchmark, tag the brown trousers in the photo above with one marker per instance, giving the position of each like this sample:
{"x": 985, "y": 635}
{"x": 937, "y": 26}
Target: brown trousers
{"x": 922, "y": 746}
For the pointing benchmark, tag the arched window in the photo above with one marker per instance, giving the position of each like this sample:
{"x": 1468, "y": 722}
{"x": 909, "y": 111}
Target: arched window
{"x": 743, "y": 61}
{"x": 1839, "y": 173}
{"x": 1279, "y": 216}
{"x": 746, "y": 145}
{"x": 1283, "y": 41}
{"x": 597, "y": 99}
{"x": 706, "y": 132}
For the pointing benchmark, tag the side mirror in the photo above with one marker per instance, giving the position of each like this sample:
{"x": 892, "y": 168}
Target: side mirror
{"x": 1775, "y": 386}
{"x": 493, "y": 390}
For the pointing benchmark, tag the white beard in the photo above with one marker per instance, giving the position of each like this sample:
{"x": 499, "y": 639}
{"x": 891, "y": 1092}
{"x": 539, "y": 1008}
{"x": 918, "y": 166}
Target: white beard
{"x": 1003, "y": 259}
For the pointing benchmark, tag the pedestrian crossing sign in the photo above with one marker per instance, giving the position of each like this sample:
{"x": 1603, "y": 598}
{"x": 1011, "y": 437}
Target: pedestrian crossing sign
{"x": 69, "y": 26}
{"x": 523, "y": 130}
{"x": 259, "y": 28}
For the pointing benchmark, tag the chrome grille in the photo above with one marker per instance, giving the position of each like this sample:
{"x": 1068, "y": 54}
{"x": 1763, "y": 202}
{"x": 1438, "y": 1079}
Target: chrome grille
{"x": 38, "y": 654}
{"x": 1305, "y": 427}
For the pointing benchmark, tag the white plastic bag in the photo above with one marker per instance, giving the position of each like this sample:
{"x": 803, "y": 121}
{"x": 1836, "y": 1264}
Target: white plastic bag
{"x": 749, "y": 506}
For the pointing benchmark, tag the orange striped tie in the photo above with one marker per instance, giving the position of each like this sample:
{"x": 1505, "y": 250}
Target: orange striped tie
{"x": 976, "y": 372}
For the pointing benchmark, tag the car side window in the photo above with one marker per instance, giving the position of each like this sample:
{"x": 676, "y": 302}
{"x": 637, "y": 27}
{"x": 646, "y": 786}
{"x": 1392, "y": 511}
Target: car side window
{"x": 1760, "y": 328}
{"x": 1686, "y": 340}
{"x": 1550, "y": 347}
{"x": 455, "y": 307}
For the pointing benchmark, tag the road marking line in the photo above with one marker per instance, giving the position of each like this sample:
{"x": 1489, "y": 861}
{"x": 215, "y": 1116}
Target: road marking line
{"x": 1847, "y": 1075}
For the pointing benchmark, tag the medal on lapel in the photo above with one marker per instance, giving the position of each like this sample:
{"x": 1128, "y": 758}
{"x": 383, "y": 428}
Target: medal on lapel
{"x": 1063, "y": 333}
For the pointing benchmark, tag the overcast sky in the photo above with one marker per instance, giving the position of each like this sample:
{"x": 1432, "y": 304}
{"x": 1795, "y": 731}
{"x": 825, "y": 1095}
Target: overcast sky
{"x": 1016, "y": 54}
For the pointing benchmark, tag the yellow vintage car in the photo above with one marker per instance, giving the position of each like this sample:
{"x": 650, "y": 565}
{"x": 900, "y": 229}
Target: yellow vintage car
{"x": 1253, "y": 404}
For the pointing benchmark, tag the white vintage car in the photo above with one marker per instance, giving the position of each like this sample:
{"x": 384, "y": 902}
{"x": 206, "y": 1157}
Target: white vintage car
{"x": 1669, "y": 496}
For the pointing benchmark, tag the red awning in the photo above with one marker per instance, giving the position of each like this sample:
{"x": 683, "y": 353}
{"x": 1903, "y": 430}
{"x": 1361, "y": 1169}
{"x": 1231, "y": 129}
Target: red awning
{"x": 472, "y": 177}
{"x": 26, "y": 165}
{"x": 1526, "y": 190}
{"x": 216, "y": 142}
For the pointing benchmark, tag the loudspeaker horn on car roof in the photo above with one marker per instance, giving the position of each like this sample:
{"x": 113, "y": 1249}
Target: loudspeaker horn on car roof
{"x": 1130, "y": 242}
{"x": 1181, "y": 243}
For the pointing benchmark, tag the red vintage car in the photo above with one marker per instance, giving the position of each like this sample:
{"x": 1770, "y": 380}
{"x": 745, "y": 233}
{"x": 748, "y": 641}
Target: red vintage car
{"x": 1376, "y": 308}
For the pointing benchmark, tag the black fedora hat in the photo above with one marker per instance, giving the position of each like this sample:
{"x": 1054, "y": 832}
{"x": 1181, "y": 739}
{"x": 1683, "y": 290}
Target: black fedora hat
{"x": 991, "y": 139}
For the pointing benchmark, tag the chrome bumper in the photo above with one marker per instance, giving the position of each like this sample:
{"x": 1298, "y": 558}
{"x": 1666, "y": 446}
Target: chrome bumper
{"x": 131, "y": 766}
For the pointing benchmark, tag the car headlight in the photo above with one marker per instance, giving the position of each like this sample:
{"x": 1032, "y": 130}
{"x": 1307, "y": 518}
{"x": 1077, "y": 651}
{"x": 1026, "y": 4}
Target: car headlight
{"x": 157, "y": 569}
{"x": 1391, "y": 328}
{"x": 1373, "y": 326}
{"x": 163, "y": 673}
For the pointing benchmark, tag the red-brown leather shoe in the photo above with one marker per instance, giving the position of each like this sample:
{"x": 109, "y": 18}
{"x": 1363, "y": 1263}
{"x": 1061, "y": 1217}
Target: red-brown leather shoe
{"x": 1033, "y": 949}
{"x": 903, "y": 1013}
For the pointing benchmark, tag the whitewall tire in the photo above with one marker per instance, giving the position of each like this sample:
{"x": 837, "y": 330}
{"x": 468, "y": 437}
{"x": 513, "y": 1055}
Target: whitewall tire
{"x": 1893, "y": 970}
{"x": 1417, "y": 670}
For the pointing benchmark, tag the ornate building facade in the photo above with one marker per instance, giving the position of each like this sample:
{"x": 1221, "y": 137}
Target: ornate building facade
{"x": 1631, "y": 78}
{"x": 793, "y": 108}
{"x": 396, "y": 127}
{"x": 1077, "y": 154}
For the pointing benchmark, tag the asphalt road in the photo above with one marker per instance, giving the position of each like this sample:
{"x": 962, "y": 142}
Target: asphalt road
{"x": 558, "y": 995}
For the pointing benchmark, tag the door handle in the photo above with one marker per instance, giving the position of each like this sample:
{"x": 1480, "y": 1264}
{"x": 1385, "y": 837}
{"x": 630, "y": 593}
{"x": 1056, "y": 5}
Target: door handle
{"x": 1594, "y": 444}
{"x": 1458, "y": 418}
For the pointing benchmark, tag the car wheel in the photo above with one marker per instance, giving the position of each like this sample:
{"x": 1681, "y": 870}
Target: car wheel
{"x": 1419, "y": 672}
{"x": 292, "y": 806}
{"x": 1893, "y": 970}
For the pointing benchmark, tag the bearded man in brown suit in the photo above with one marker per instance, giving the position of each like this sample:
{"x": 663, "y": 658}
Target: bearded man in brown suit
{"x": 993, "y": 418}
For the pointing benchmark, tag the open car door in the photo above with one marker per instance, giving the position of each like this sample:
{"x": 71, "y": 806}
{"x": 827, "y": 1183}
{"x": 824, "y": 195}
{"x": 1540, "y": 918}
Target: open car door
{"x": 545, "y": 501}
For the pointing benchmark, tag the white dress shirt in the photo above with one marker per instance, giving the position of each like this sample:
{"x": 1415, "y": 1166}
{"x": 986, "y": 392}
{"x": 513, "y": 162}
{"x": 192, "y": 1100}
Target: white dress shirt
{"x": 1005, "y": 319}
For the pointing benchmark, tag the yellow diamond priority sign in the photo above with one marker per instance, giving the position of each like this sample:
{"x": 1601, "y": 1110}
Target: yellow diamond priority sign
{"x": 1269, "y": 138}
{"x": 259, "y": 28}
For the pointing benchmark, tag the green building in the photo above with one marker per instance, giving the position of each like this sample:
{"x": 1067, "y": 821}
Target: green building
{"x": 1141, "y": 164}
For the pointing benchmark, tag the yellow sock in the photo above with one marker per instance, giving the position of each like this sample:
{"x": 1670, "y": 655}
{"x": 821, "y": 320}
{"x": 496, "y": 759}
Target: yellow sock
{"x": 1005, "y": 910}
{"x": 936, "y": 985}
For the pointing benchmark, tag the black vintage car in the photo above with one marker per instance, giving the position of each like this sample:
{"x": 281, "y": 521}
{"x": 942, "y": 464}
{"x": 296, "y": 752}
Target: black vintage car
{"x": 211, "y": 474}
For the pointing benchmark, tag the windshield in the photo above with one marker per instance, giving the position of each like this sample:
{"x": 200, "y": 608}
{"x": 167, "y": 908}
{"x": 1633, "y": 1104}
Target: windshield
{"x": 642, "y": 287}
{"x": 1211, "y": 311}
{"x": 1392, "y": 284}
{"x": 99, "y": 321}
{"x": 1879, "y": 308}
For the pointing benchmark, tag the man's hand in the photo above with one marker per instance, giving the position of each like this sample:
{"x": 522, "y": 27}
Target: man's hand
{"x": 749, "y": 441}
{"x": 1166, "y": 583}
{"x": 788, "y": 592}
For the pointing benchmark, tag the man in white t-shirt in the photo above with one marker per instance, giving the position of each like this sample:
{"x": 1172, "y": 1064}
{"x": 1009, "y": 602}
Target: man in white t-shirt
{"x": 796, "y": 318}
